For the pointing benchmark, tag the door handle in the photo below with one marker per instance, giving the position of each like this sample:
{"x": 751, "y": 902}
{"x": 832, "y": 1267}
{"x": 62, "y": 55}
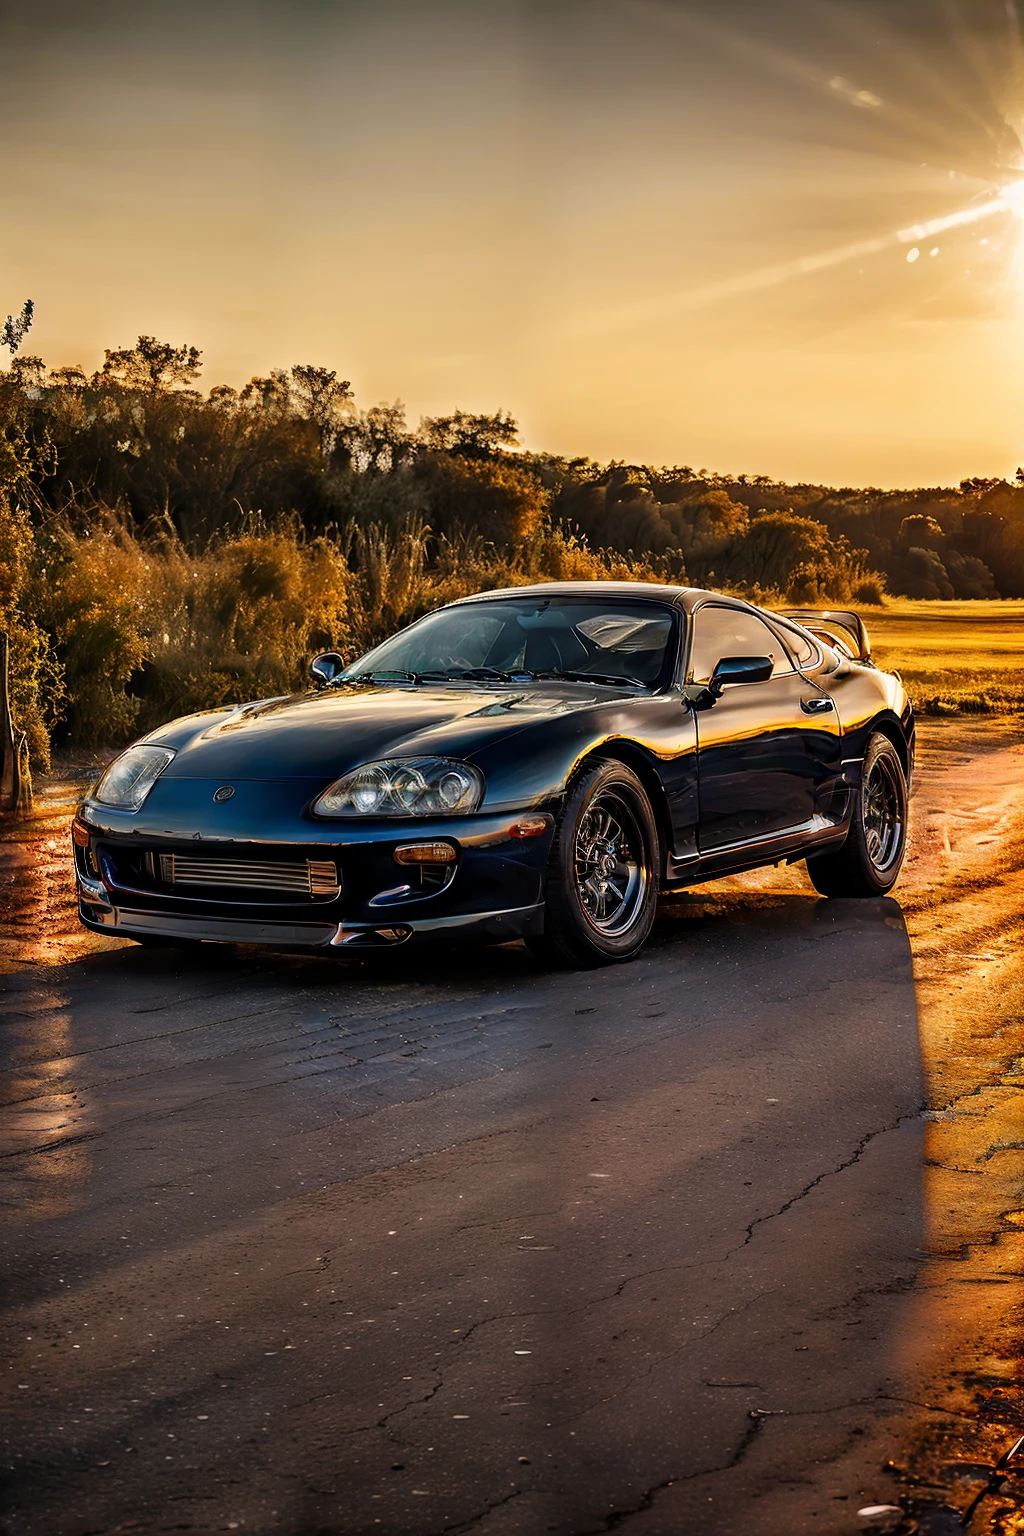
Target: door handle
{"x": 821, "y": 705}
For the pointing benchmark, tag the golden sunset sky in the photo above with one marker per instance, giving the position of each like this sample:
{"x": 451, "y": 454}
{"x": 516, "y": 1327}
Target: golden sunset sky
{"x": 664, "y": 230}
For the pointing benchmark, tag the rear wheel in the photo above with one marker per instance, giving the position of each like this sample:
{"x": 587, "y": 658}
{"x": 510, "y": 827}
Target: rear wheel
{"x": 868, "y": 863}
{"x": 601, "y": 888}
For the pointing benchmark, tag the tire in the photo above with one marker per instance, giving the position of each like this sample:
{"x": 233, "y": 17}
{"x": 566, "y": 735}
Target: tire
{"x": 601, "y": 887}
{"x": 868, "y": 863}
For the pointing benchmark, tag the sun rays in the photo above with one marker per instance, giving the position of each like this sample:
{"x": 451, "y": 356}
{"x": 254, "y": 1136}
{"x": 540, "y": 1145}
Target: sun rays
{"x": 909, "y": 131}
{"x": 1009, "y": 200}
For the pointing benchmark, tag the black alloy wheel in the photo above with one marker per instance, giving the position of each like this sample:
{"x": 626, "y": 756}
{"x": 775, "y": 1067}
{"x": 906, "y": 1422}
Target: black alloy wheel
{"x": 601, "y": 889}
{"x": 869, "y": 862}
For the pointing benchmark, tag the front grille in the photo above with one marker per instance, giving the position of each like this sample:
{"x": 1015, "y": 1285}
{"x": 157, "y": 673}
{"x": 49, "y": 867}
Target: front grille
{"x": 313, "y": 877}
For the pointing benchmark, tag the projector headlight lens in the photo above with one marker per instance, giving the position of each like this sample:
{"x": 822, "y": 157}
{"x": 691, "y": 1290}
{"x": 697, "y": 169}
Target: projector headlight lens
{"x": 404, "y": 786}
{"x": 131, "y": 776}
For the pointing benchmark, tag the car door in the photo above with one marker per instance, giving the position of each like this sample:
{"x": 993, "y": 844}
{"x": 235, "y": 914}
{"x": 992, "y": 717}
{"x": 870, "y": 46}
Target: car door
{"x": 767, "y": 753}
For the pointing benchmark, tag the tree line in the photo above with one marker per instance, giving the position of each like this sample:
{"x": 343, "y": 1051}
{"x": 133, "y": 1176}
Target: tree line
{"x": 164, "y": 548}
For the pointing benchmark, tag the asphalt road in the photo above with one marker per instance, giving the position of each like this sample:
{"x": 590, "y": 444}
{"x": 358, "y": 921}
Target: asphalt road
{"x": 455, "y": 1244}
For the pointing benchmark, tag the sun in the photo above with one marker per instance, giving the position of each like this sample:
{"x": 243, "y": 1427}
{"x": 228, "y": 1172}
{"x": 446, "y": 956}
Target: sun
{"x": 1013, "y": 198}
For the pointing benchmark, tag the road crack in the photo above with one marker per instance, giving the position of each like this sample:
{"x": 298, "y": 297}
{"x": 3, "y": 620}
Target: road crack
{"x": 829, "y": 1173}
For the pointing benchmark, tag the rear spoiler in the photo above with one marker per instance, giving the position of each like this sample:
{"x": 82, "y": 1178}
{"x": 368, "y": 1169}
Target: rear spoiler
{"x": 831, "y": 624}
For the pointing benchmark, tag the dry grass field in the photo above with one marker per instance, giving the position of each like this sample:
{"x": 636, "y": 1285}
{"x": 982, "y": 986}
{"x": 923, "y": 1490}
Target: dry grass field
{"x": 954, "y": 656}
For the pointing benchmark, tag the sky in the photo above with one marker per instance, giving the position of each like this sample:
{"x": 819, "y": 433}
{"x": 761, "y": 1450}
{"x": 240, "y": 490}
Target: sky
{"x": 668, "y": 231}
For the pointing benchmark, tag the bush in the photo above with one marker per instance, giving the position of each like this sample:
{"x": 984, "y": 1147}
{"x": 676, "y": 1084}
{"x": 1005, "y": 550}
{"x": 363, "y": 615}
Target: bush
{"x": 37, "y": 683}
{"x": 94, "y": 592}
{"x": 871, "y": 591}
{"x": 797, "y": 558}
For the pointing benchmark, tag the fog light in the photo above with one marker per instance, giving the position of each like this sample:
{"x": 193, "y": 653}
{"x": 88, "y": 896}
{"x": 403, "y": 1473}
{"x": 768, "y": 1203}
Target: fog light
{"x": 529, "y": 826}
{"x": 425, "y": 853}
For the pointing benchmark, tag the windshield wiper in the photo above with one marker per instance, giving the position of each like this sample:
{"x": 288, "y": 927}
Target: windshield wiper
{"x": 492, "y": 675}
{"x": 474, "y": 674}
{"x": 593, "y": 677}
{"x": 386, "y": 676}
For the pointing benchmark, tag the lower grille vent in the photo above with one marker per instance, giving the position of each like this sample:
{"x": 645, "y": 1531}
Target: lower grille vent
{"x": 313, "y": 877}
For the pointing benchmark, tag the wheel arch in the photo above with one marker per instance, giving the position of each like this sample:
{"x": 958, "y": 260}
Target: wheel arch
{"x": 632, "y": 755}
{"x": 889, "y": 726}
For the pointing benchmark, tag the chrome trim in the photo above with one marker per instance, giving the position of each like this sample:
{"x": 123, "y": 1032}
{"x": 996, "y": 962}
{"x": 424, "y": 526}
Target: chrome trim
{"x": 93, "y": 890}
{"x": 777, "y": 845}
{"x": 810, "y": 828}
{"x": 396, "y": 893}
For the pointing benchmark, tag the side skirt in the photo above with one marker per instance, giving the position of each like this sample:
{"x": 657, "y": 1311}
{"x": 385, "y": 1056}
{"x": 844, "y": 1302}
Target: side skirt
{"x": 787, "y": 847}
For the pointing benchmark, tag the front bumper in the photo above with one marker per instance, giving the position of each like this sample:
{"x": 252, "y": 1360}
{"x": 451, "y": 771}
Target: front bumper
{"x": 494, "y": 891}
{"x": 492, "y": 927}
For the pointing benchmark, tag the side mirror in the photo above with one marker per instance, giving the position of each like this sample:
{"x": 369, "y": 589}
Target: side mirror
{"x": 740, "y": 669}
{"x": 326, "y": 667}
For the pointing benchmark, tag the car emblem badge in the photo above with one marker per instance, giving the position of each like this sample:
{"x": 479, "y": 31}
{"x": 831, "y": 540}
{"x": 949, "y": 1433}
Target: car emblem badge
{"x": 224, "y": 793}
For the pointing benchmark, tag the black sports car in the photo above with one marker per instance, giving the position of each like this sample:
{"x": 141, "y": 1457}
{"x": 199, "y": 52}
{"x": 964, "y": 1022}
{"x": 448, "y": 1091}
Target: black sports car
{"x": 533, "y": 763}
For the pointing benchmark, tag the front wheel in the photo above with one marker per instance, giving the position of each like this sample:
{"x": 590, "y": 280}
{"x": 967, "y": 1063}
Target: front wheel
{"x": 601, "y": 888}
{"x": 869, "y": 861}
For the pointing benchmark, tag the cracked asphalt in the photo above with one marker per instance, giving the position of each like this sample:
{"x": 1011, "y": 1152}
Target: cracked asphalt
{"x": 450, "y": 1243}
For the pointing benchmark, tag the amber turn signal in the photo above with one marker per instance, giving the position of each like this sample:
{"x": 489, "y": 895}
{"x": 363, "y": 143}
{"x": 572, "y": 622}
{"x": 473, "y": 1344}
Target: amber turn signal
{"x": 80, "y": 833}
{"x": 529, "y": 826}
{"x": 425, "y": 853}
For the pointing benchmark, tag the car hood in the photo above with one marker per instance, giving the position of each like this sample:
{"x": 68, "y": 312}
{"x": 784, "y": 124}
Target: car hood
{"x": 323, "y": 735}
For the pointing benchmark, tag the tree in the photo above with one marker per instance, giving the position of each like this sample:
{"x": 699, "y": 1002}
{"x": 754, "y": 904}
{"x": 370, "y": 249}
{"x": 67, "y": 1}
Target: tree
{"x": 979, "y": 484}
{"x": 16, "y": 327}
{"x": 921, "y": 532}
{"x": 469, "y": 436}
{"x": 921, "y": 573}
{"x": 272, "y": 396}
{"x": 150, "y": 365}
{"x": 500, "y": 501}
{"x": 797, "y": 557}
{"x": 321, "y": 398}
{"x": 378, "y": 440}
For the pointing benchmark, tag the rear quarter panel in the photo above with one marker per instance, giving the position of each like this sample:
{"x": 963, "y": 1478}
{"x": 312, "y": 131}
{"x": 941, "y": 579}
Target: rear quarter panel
{"x": 868, "y": 700}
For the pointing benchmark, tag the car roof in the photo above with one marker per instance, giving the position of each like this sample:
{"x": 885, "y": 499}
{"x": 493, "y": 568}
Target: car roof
{"x": 682, "y": 597}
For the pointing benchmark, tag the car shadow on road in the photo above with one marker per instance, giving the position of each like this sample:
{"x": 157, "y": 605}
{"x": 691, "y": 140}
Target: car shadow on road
{"x": 638, "y": 1236}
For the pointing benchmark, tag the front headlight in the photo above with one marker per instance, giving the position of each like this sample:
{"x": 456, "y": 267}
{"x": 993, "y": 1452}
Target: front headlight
{"x": 404, "y": 786}
{"x": 131, "y": 776}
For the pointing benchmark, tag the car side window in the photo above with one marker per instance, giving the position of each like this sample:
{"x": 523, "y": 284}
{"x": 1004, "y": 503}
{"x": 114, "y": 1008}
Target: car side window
{"x": 798, "y": 642}
{"x": 720, "y": 631}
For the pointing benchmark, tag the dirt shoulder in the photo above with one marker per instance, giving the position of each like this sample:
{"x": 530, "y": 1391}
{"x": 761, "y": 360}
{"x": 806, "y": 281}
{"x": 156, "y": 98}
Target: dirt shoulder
{"x": 962, "y": 895}
{"x": 963, "y": 898}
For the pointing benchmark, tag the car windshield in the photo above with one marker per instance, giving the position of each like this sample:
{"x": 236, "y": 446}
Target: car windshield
{"x": 518, "y": 638}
